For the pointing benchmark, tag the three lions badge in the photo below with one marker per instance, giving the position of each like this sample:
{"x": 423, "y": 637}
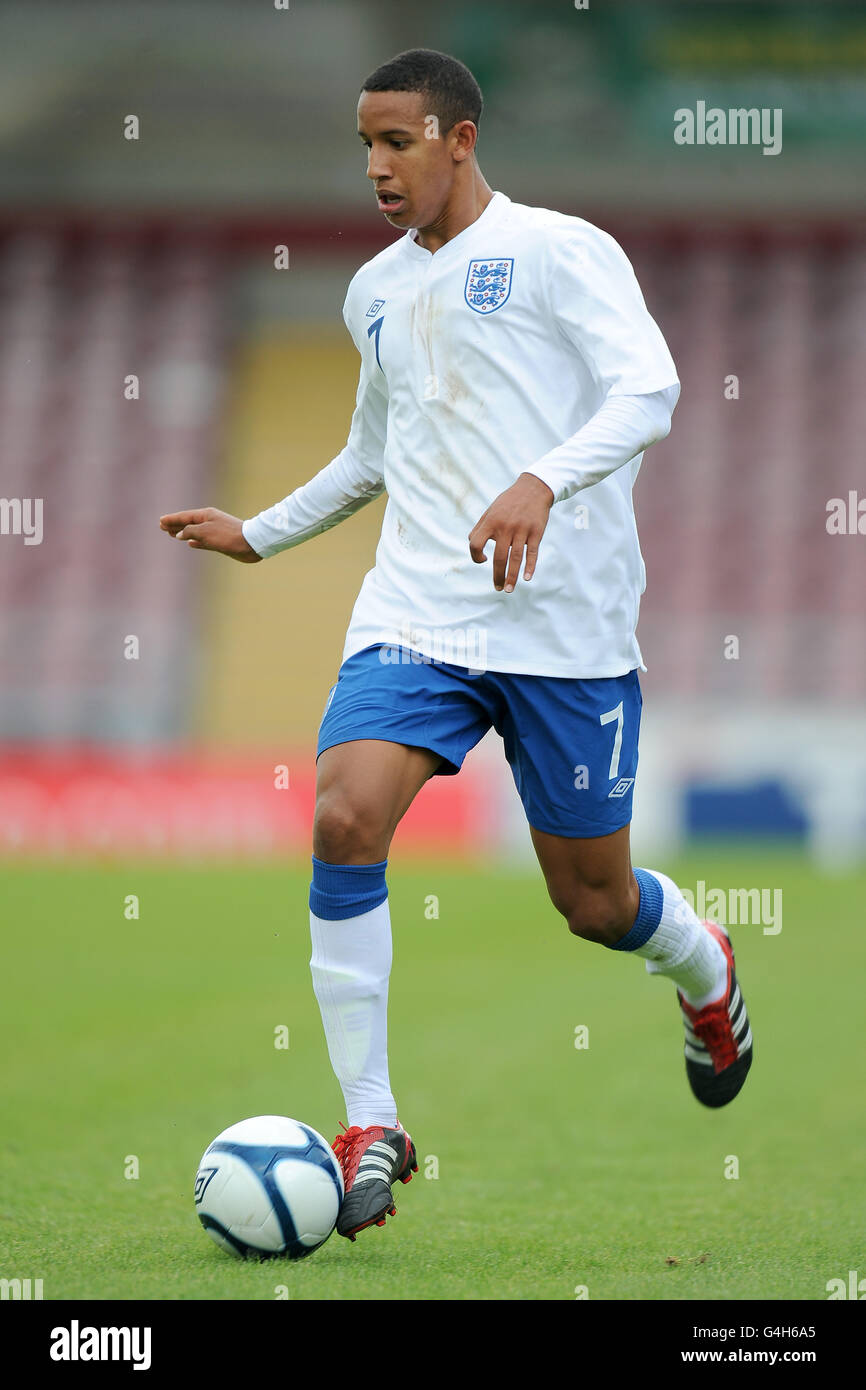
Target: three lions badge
{"x": 488, "y": 284}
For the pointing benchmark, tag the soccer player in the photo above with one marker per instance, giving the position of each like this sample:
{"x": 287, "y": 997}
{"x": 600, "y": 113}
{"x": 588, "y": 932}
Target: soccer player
{"x": 511, "y": 378}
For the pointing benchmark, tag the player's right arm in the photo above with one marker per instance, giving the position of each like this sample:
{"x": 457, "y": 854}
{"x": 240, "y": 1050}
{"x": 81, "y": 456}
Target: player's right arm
{"x": 350, "y": 481}
{"x": 339, "y": 490}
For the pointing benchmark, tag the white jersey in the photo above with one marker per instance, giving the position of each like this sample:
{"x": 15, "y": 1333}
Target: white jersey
{"x": 479, "y": 362}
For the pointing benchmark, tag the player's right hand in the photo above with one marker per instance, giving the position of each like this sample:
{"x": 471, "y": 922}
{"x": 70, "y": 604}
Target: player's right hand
{"x": 205, "y": 528}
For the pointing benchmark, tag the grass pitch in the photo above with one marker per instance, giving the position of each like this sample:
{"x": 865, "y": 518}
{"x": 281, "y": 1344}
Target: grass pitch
{"x": 545, "y": 1168}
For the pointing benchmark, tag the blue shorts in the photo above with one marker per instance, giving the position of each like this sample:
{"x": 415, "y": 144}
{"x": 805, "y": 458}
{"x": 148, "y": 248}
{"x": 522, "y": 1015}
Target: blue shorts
{"x": 572, "y": 745}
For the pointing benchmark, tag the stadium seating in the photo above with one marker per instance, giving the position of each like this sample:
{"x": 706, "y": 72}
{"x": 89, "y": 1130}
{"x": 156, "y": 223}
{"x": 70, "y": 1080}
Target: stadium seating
{"x": 82, "y": 314}
{"x": 732, "y": 507}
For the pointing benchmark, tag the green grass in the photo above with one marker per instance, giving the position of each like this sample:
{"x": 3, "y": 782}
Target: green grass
{"x": 557, "y": 1167}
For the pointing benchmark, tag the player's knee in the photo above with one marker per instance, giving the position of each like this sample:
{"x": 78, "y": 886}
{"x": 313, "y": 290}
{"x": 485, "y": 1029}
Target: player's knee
{"x": 346, "y": 832}
{"x": 600, "y": 917}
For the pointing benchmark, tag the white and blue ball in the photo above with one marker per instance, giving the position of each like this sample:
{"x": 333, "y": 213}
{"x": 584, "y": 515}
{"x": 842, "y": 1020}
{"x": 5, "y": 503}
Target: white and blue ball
{"x": 269, "y": 1186}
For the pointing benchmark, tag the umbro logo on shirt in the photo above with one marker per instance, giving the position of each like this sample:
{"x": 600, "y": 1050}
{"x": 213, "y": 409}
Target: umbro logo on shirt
{"x": 488, "y": 284}
{"x": 374, "y": 308}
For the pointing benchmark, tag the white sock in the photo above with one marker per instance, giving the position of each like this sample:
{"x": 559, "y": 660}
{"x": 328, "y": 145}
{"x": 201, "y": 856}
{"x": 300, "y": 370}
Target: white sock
{"x": 351, "y": 964}
{"x": 682, "y": 949}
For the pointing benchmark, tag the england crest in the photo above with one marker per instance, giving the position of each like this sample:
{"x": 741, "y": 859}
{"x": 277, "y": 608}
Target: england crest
{"x": 488, "y": 284}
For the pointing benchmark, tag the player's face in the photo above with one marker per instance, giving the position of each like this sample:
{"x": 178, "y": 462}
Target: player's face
{"x": 410, "y": 163}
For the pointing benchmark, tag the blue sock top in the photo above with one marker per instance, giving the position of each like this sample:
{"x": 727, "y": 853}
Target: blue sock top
{"x": 339, "y": 891}
{"x": 649, "y": 913}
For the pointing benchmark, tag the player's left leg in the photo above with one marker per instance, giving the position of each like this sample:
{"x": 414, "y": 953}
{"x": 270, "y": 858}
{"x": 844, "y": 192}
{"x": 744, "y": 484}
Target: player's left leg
{"x": 572, "y": 746}
{"x": 644, "y": 913}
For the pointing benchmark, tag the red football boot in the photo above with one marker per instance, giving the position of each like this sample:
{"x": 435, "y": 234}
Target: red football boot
{"x": 718, "y": 1037}
{"x": 371, "y": 1159}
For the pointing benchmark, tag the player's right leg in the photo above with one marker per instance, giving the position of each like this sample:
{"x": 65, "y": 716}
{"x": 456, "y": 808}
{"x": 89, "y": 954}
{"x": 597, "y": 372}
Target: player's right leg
{"x": 388, "y": 727}
{"x": 363, "y": 789}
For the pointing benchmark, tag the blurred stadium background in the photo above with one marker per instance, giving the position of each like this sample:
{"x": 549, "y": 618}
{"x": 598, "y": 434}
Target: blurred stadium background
{"x": 148, "y": 694}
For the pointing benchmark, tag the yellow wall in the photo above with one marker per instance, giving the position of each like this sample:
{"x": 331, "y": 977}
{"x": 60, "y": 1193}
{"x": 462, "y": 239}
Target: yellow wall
{"x": 273, "y": 632}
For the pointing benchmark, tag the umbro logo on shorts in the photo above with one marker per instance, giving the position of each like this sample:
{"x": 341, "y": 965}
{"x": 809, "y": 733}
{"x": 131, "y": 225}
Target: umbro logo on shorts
{"x": 621, "y": 787}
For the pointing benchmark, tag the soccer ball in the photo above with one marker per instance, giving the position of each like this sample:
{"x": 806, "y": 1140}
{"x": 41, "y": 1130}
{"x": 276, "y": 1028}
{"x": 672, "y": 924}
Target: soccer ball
{"x": 269, "y": 1186}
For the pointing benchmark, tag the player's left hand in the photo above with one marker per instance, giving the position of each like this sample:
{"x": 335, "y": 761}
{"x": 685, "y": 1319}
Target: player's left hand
{"x": 516, "y": 521}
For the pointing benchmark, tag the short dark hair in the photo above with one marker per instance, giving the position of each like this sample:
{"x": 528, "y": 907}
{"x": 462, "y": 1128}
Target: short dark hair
{"x": 448, "y": 85}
